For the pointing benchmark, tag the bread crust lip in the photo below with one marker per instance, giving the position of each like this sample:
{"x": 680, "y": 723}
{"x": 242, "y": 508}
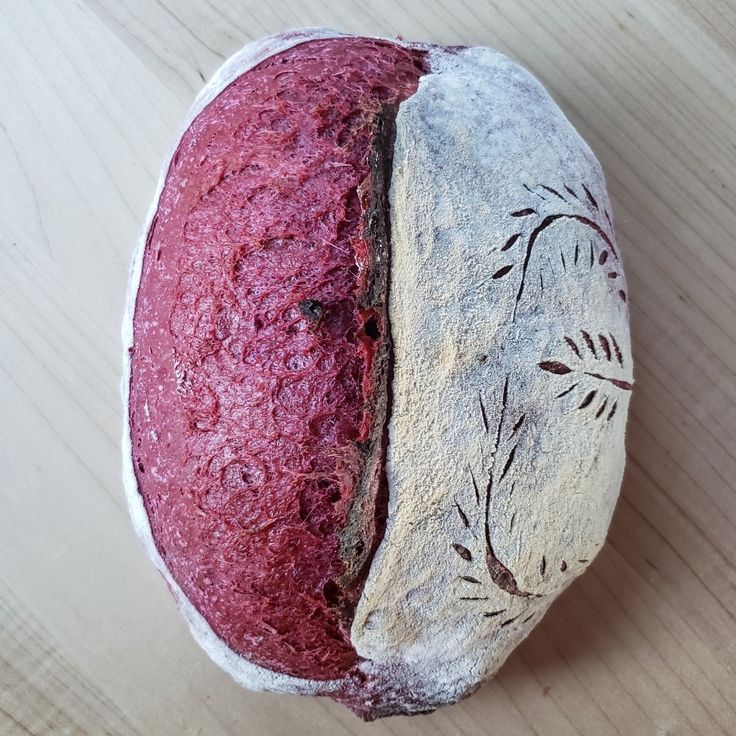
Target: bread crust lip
{"x": 370, "y": 504}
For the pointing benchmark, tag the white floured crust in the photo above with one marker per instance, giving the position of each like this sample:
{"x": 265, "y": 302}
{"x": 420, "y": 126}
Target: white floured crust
{"x": 510, "y": 332}
{"x": 511, "y": 349}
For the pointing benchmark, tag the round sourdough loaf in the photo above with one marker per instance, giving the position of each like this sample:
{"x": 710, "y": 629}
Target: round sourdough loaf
{"x": 377, "y": 367}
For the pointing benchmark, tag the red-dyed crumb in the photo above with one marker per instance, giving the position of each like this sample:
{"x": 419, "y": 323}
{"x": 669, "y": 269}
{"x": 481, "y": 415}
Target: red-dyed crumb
{"x": 250, "y": 382}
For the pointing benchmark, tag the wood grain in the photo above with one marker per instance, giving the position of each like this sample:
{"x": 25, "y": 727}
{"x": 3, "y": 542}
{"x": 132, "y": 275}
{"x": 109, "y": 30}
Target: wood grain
{"x": 91, "y": 96}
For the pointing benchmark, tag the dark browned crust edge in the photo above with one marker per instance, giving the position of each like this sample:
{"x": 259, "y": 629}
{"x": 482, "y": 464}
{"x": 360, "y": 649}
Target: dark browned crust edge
{"x": 367, "y": 515}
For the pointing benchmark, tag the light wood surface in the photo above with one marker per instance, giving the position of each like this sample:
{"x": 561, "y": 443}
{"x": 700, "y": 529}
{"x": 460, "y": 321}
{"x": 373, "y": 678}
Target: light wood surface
{"x": 91, "y": 96}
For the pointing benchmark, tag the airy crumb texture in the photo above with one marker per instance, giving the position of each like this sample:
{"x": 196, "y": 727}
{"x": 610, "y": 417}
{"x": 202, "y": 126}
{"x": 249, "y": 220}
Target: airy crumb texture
{"x": 252, "y": 392}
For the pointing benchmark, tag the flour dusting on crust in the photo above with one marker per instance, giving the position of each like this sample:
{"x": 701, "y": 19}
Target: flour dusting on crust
{"x": 512, "y": 373}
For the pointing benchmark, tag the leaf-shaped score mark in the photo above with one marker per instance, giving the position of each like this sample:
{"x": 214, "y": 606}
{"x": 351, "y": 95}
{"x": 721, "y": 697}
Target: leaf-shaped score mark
{"x": 590, "y": 197}
{"x": 589, "y": 342}
{"x": 617, "y": 350}
{"x": 502, "y": 272}
{"x": 463, "y": 516}
{"x": 464, "y": 552}
{"x": 554, "y": 366}
{"x": 573, "y": 346}
{"x": 510, "y": 242}
{"x": 588, "y": 400}
{"x": 470, "y": 579}
{"x": 617, "y": 382}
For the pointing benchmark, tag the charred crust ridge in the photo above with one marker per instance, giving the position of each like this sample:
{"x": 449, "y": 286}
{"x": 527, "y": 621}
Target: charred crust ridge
{"x": 367, "y": 516}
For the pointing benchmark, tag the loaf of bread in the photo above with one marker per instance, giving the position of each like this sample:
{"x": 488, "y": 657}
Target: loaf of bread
{"x": 377, "y": 367}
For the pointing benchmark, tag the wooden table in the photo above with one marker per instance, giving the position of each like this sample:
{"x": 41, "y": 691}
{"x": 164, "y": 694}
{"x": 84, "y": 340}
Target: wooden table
{"x": 91, "y": 93}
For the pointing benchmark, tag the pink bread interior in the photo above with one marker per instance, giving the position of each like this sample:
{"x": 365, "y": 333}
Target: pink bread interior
{"x": 259, "y": 365}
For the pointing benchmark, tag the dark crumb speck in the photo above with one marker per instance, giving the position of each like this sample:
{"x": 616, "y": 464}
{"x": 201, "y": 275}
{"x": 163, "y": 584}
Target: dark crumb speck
{"x": 312, "y": 310}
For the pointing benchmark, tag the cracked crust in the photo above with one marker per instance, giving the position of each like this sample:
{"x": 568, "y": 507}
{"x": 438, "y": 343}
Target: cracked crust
{"x": 367, "y": 515}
